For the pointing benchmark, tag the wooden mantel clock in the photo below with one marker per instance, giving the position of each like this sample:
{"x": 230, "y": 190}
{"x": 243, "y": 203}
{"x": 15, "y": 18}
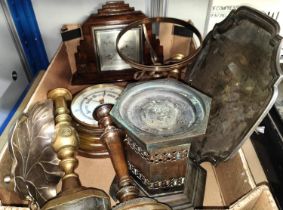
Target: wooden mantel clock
{"x": 97, "y": 60}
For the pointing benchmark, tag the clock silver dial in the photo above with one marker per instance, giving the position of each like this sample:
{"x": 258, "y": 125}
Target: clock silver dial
{"x": 105, "y": 47}
{"x": 85, "y": 102}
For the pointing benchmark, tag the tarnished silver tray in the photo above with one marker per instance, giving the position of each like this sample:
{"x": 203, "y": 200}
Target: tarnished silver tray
{"x": 238, "y": 67}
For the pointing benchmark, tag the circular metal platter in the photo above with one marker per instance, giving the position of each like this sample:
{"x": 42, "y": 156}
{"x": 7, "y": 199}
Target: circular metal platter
{"x": 162, "y": 112}
{"x": 85, "y": 102}
{"x": 162, "y": 109}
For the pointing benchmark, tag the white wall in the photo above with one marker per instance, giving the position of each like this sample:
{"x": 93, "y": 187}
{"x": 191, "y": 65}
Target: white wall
{"x": 52, "y": 14}
{"x": 219, "y": 11}
{"x": 10, "y": 90}
{"x": 194, "y": 10}
{"x": 221, "y": 8}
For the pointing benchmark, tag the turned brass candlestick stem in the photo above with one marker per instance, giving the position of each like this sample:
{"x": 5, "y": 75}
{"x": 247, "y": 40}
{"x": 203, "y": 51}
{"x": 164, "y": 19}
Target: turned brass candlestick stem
{"x": 66, "y": 141}
{"x": 65, "y": 144}
{"x": 128, "y": 193}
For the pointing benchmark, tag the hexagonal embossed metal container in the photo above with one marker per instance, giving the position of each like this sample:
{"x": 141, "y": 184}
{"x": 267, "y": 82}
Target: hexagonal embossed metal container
{"x": 161, "y": 118}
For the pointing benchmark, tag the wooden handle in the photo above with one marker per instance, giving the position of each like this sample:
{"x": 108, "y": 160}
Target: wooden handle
{"x": 112, "y": 138}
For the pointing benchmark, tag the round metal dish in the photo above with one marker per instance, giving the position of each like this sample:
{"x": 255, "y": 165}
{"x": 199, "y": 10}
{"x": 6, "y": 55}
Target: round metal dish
{"x": 162, "y": 112}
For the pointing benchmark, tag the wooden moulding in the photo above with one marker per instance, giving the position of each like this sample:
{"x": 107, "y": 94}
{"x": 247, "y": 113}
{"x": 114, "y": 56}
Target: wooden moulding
{"x": 87, "y": 57}
{"x": 72, "y": 45}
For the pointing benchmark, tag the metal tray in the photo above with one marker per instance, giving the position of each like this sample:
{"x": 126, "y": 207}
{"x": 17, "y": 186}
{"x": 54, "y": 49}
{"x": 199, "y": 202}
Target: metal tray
{"x": 238, "y": 67}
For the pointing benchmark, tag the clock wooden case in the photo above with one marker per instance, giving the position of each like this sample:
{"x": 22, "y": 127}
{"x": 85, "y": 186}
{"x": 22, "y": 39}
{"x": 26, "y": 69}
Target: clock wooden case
{"x": 97, "y": 60}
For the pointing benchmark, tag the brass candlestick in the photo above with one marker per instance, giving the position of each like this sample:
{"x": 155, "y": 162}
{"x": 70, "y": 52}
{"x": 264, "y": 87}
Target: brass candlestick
{"x": 128, "y": 193}
{"x": 65, "y": 144}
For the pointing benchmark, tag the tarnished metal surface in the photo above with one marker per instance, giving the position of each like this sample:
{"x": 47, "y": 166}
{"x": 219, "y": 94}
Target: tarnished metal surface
{"x": 7, "y": 194}
{"x": 35, "y": 167}
{"x": 159, "y": 69}
{"x": 141, "y": 204}
{"x": 162, "y": 118}
{"x": 238, "y": 67}
{"x": 66, "y": 142}
{"x": 279, "y": 101}
{"x": 128, "y": 192}
{"x": 162, "y": 113}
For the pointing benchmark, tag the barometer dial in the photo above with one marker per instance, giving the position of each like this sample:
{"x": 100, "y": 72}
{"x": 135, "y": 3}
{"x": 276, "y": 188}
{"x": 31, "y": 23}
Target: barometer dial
{"x": 85, "y": 102}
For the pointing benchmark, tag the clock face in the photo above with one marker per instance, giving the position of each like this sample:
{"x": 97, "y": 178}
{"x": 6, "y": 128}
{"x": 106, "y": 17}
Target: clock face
{"x": 85, "y": 102}
{"x": 105, "y": 47}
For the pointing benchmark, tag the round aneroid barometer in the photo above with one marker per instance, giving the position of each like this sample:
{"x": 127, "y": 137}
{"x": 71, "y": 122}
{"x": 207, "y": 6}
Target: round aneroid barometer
{"x": 85, "y": 102}
{"x": 161, "y": 111}
{"x": 82, "y": 107}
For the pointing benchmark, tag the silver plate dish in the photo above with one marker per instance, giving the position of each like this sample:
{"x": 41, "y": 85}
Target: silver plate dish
{"x": 162, "y": 111}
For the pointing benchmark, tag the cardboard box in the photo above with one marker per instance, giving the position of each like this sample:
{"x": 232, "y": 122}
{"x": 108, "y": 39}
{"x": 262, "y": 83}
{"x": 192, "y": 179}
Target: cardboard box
{"x": 236, "y": 183}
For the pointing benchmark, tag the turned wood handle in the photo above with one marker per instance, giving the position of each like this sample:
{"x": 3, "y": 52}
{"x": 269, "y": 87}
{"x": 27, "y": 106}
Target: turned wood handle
{"x": 112, "y": 138}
